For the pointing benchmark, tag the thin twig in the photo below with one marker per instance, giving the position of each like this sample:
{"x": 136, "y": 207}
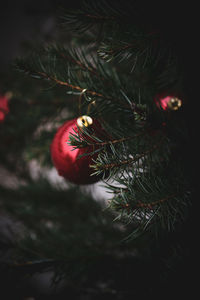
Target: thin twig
{"x": 74, "y": 87}
{"x": 80, "y": 64}
{"x": 147, "y": 205}
{"x": 89, "y": 92}
{"x": 132, "y": 160}
{"x": 114, "y": 141}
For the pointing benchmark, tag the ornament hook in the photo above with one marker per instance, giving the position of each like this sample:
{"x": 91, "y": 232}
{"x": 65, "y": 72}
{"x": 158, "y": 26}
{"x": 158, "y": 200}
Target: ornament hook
{"x": 80, "y": 99}
{"x": 89, "y": 106}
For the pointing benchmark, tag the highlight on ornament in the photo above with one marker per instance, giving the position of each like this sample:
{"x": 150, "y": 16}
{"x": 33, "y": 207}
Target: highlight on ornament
{"x": 169, "y": 102}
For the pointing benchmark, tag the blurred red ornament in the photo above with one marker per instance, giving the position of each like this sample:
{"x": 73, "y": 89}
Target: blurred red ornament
{"x": 168, "y": 102}
{"x": 65, "y": 157}
{"x": 4, "y": 108}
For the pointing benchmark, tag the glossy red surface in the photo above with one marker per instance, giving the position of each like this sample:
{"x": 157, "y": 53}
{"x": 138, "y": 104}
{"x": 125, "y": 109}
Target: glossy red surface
{"x": 65, "y": 157}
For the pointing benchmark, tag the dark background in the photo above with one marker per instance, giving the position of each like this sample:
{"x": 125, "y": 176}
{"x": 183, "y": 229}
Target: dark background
{"x": 27, "y": 20}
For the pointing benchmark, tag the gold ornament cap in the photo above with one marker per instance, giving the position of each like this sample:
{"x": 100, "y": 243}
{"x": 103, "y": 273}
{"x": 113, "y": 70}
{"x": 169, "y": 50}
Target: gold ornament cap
{"x": 84, "y": 121}
{"x": 174, "y": 103}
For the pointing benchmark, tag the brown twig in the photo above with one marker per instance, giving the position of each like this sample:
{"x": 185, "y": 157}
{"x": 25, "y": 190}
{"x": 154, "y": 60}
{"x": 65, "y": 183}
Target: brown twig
{"x": 64, "y": 83}
{"x": 89, "y": 92}
{"x": 80, "y": 64}
{"x": 117, "y": 140}
{"x": 148, "y": 205}
{"x": 132, "y": 160}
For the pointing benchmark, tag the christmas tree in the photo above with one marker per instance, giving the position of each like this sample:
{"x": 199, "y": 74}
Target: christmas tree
{"x": 107, "y": 103}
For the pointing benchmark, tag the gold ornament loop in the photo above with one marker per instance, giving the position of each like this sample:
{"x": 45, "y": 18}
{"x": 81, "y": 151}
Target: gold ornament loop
{"x": 89, "y": 106}
{"x": 80, "y": 99}
{"x": 174, "y": 103}
{"x": 84, "y": 121}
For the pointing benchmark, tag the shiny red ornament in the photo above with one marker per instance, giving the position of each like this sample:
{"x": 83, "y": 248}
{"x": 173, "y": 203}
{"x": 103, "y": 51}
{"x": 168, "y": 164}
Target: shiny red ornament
{"x": 4, "y": 109}
{"x": 65, "y": 157}
{"x": 169, "y": 102}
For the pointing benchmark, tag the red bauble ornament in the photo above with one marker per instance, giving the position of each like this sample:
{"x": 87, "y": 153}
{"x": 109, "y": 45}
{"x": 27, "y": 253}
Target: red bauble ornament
{"x": 168, "y": 102}
{"x": 4, "y": 109}
{"x": 65, "y": 157}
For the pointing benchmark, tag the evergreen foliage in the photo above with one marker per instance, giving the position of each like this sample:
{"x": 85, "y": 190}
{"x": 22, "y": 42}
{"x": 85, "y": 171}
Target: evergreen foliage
{"x": 113, "y": 68}
{"x": 140, "y": 155}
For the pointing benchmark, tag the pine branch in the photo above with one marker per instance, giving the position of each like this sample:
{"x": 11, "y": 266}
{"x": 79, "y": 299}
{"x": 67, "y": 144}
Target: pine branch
{"x": 124, "y": 102}
{"x": 52, "y": 73}
{"x": 64, "y": 83}
{"x": 77, "y": 57}
{"x": 150, "y": 205}
{"x": 135, "y": 202}
{"x": 102, "y": 167}
{"x": 44, "y": 75}
{"x": 91, "y": 14}
{"x": 78, "y": 141}
{"x": 136, "y": 49}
